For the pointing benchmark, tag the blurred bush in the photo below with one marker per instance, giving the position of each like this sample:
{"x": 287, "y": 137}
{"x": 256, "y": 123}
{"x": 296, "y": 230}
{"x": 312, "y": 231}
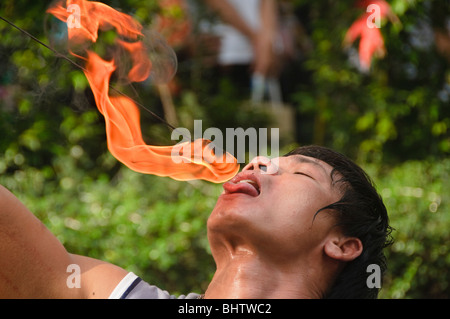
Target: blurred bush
{"x": 418, "y": 202}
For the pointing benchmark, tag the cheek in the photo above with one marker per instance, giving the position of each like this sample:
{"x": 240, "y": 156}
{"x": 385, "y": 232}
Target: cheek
{"x": 295, "y": 211}
{"x": 299, "y": 203}
{"x": 300, "y": 234}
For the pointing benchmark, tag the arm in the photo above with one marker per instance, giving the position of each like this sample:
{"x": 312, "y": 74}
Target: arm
{"x": 229, "y": 15}
{"x": 263, "y": 39}
{"x": 33, "y": 263}
{"x": 265, "y": 58}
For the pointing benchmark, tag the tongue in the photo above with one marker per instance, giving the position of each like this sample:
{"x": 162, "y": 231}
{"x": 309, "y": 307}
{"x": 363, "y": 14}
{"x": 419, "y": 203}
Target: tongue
{"x": 244, "y": 188}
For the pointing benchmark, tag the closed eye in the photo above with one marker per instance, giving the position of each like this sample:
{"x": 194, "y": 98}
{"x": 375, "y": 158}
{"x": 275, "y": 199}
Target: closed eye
{"x": 301, "y": 173}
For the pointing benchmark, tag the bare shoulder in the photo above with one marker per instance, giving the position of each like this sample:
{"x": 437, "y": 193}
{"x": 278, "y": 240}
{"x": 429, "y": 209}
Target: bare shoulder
{"x": 97, "y": 279}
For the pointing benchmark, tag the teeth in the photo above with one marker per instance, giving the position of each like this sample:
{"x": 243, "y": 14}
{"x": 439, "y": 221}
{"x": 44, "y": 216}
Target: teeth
{"x": 247, "y": 181}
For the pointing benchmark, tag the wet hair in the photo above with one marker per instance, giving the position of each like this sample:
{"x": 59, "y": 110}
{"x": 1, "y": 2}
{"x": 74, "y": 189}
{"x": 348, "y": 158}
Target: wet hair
{"x": 360, "y": 213}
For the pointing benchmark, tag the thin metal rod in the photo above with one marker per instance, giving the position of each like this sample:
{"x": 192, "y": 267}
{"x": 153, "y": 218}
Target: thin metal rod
{"x": 60, "y": 55}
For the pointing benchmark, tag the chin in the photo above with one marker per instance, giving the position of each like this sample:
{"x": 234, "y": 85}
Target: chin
{"x": 233, "y": 215}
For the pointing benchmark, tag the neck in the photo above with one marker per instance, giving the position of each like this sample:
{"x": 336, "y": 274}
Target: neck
{"x": 244, "y": 275}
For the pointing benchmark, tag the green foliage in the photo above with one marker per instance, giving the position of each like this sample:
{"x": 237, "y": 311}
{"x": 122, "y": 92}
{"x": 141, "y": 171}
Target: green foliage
{"x": 418, "y": 202}
{"x": 395, "y": 112}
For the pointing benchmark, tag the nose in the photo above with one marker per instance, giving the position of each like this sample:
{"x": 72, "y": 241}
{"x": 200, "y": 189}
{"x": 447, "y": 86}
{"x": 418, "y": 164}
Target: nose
{"x": 262, "y": 164}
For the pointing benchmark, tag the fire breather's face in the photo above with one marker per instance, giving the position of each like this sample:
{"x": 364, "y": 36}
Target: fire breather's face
{"x": 271, "y": 207}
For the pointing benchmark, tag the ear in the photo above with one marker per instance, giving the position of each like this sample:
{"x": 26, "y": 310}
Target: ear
{"x": 343, "y": 248}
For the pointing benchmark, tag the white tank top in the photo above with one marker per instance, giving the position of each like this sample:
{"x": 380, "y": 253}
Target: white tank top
{"x": 133, "y": 287}
{"x": 235, "y": 47}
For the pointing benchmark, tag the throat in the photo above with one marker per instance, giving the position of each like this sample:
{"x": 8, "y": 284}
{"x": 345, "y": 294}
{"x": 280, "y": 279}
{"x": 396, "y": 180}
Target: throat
{"x": 247, "y": 277}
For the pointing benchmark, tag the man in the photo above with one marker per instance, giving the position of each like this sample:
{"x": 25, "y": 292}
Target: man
{"x": 251, "y": 46}
{"x": 305, "y": 228}
{"x": 249, "y": 35}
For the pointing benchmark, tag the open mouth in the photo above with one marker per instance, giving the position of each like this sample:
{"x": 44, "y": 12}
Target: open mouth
{"x": 243, "y": 183}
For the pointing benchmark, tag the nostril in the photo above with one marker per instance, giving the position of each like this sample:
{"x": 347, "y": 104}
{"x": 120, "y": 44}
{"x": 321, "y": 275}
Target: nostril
{"x": 263, "y": 167}
{"x": 258, "y": 163}
{"x": 249, "y": 167}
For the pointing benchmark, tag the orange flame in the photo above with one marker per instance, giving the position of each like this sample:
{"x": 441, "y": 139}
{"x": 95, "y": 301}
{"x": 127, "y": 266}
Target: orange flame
{"x": 122, "y": 117}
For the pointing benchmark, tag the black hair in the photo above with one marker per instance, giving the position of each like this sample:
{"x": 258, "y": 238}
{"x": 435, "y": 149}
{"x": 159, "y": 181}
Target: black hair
{"x": 361, "y": 213}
